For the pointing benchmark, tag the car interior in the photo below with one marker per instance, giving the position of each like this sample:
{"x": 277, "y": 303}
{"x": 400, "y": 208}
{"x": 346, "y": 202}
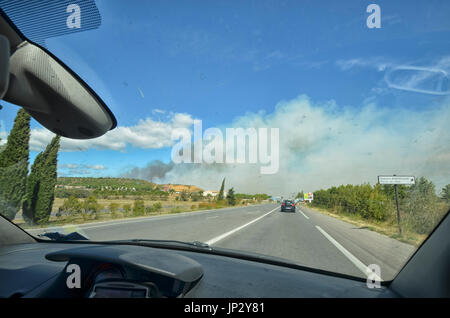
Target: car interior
{"x": 36, "y": 267}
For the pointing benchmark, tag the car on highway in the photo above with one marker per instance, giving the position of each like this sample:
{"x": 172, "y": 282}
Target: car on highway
{"x": 288, "y": 205}
{"x": 144, "y": 146}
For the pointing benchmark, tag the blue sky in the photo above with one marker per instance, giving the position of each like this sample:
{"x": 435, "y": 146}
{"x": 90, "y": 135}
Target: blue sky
{"x": 225, "y": 62}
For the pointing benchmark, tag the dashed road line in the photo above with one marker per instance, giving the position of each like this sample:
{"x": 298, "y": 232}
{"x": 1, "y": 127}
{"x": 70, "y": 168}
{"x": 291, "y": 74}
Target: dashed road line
{"x": 307, "y": 217}
{"x": 224, "y": 235}
{"x": 360, "y": 265}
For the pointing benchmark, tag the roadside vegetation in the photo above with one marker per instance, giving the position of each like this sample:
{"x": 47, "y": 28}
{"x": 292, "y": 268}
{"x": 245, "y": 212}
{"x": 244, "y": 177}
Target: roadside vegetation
{"x": 85, "y": 202}
{"x": 374, "y": 207}
{"x": 74, "y": 210}
{"x": 38, "y": 198}
{"x": 14, "y": 166}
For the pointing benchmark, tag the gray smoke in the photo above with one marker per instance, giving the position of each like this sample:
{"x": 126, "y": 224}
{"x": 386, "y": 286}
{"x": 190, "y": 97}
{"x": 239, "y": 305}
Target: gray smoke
{"x": 155, "y": 170}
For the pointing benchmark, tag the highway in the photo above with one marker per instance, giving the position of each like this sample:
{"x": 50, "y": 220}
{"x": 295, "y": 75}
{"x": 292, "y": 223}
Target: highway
{"x": 306, "y": 237}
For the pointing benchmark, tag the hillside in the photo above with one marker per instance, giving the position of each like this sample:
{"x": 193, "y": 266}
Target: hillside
{"x": 79, "y": 186}
{"x": 181, "y": 187}
{"x": 108, "y": 183}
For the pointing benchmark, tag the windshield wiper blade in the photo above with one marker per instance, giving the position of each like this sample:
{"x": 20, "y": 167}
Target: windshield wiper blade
{"x": 195, "y": 244}
{"x": 57, "y": 236}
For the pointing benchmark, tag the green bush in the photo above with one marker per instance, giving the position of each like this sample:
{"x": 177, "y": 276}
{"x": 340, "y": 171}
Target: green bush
{"x": 126, "y": 209}
{"x": 362, "y": 200}
{"x": 71, "y": 206}
{"x": 77, "y": 193}
{"x": 156, "y": 207}
{"x": 184, "y": 196}
{"x": 176, "y": 210}
{"x": 420, "y": 208}
{"x": 207, "y": 205}
{"x": 114, "y": 208}
{"x": 138, "y": 208}
{"x": 91, "y": 206}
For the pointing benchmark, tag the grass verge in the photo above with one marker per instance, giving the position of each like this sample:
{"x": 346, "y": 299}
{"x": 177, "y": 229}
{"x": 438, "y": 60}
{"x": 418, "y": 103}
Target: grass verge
{"x": 116, "y": 216}
{"x": 387, "y": 228}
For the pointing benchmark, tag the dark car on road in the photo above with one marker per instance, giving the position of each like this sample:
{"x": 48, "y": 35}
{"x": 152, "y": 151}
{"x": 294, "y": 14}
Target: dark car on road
{"x": 288, "y": 205}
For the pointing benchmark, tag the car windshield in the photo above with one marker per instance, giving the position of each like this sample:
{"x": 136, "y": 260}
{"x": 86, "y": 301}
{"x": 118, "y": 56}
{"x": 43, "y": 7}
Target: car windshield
{"x": 227, "y": 109}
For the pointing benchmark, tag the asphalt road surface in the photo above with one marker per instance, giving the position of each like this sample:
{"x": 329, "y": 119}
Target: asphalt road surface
{"x": 306, "y": 237}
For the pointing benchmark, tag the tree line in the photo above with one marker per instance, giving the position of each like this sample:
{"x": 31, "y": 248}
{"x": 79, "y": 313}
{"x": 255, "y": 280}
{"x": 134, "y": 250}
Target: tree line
{"x": 420, "y": 207}
{"x": 230, "y": 198}
{"x": 89, "y": 208}
{"x": 33, "y": 191}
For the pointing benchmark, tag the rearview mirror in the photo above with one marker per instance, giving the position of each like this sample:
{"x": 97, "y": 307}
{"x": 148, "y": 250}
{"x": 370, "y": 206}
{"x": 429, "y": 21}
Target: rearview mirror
{"x": 55, "y": 96}
{"x": 4, "y": 65}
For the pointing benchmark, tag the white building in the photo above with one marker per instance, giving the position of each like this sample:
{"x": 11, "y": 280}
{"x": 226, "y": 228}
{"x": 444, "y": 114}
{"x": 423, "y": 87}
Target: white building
{"x": 213, "y": 193}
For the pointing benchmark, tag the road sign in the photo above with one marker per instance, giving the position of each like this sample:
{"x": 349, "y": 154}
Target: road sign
{"x": 396, "y": 180}
{"x": 406, "y": 180}
{"x": 308, "y": 196}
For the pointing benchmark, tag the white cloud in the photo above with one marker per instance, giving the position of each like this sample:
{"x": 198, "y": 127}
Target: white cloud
{"x": 71, "y": 169}
{"x": 322, "y": 145}
{"x": 68, "y": 166}
{"x": 158, "y": 111}
{"x": 96, "y": 167}
{"x": 3, "y": 137}
{"x": 147, "y": 134}
{"x": 379, "y": 63}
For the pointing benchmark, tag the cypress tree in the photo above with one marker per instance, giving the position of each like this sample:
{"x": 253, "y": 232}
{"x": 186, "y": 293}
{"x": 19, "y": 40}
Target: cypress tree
{"x": 221, "y": 192}
{"x": 41, "y": 185}
{"x": 14, "y": 166}
{"x": 231, "y": 198}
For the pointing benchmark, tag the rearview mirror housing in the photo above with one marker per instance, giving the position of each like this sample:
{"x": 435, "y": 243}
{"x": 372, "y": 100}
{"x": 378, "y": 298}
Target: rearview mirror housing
{"x": 4, "y": 65}
{"x": 55, "y": 96}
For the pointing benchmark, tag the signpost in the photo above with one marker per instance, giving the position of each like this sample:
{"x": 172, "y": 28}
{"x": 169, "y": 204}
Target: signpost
{"x": 396, "y": 180}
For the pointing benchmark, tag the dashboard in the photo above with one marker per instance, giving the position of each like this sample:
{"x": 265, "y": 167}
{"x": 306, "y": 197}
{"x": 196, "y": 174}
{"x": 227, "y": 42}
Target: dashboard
{"x": 72, "y": 270}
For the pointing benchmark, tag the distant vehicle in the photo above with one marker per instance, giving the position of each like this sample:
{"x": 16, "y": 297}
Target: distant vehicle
{"x": 288, "y": 205}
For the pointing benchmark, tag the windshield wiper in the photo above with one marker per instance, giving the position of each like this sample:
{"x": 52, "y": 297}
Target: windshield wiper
{"x": 57, "y": 236}
{"x": 195, "y": 244}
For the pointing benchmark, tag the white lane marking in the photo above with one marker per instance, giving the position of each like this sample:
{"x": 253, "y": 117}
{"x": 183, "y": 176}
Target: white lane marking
{"x": 224, "y": 235}
{"x": 360, "y": 265}
{"x": 304, "y": 214}
{"x": 212, "y": 217}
